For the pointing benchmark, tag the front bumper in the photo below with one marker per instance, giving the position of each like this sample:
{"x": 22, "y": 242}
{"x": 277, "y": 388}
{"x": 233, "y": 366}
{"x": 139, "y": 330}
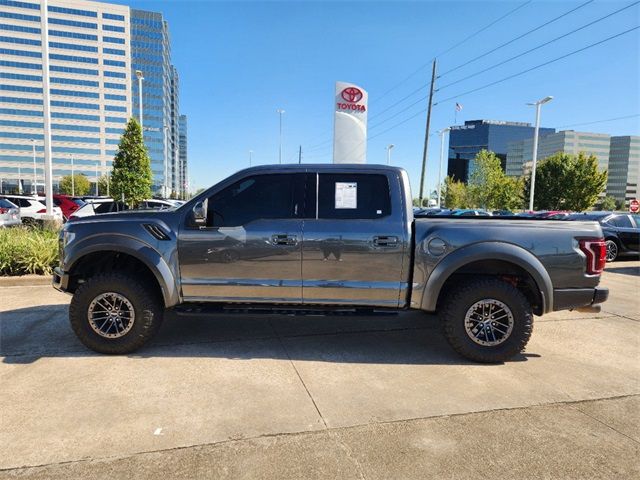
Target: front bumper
{"x": 60, "y": 280}
{"x": 572, "y": 298}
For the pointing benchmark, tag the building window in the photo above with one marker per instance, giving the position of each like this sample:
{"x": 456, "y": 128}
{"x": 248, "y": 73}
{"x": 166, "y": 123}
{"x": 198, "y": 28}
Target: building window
{"x": 74, "y": 93}
{"x": 25, "y": 113}
{"x": 20, "y": 88}
{"x": 28, "y": 101}
{"x": 13, "y": 3}
{"x": 21, "y": 41}
{"x": 16, "y": 123}
{"x": 33, "y": 66}
{"x": 115, "y": 119}
{"x": 20, "y": 76}
{"x": 73, "y": 46}
{"x": 77, "y": 128}
{"x": 113, "y": 40}
{"x": 120, "y": 98}
{"x": 113, "y": 28}
{"x": 72, "y": 23}
{"x": 72, "y": 58}
{"x": 113, "y": 51}
{"x": 20, "y": 53}
{"x": 20, "y": 16}
{"x": 27, "y": 136}
{"x": 19, "y": 28}
{"x": 65, "y": 138}
{"x": 107, "y": 73}
{"x": 87, "y": 106}
{"x": 113, "y": 16}
{"x": 75, "y": 116}
{"x": 114, "y": 63}
{"x": 74, "y": 81}
{"x": 115, "y": 108}
{"x": 118, "y": 86}
{"x": 72, "y": 11}
{"x": 81, "y": 36}
{"x": 82, "y": 71}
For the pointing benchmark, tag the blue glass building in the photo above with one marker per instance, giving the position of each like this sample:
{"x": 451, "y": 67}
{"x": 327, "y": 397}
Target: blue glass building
{"x": 465, "y": 141}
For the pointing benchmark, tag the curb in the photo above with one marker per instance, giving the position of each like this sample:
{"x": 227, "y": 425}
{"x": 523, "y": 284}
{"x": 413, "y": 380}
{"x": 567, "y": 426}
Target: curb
{"x": 25, "y": 281}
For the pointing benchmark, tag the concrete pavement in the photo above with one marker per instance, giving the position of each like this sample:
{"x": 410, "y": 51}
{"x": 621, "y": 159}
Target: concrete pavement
{"x": 315, "y": 397}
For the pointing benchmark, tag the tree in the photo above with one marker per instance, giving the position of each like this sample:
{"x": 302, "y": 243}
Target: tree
{"x": 454, "y": 194}
{"x": 608, "y": 203}
{"x": 567, "y": 182}
{"x": 80, "y": 185}
{"x": 104, "y": 186}
{"x": 490, "y": 188}
{"x": 131, "y": 177}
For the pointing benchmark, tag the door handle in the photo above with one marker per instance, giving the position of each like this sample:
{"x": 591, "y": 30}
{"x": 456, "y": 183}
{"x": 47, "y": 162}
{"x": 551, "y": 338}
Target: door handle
{"x": 284, "y": 239}
{"x": 385, "y": 241}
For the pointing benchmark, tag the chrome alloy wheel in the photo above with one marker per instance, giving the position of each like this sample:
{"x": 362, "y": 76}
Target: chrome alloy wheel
{"x": 488, "y": 322}
{"x": 111, "y": 315}
{"x": 612, "y": 250}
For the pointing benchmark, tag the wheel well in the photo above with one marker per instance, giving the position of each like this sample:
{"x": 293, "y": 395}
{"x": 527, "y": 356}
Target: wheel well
{"x": 110, "y": 261}
{"x": 507, "y": 271}
{"x": 614, "y": 239}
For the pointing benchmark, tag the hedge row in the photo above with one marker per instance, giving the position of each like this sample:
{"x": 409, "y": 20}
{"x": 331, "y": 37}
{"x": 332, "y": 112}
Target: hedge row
{"x": 28, "y": 250}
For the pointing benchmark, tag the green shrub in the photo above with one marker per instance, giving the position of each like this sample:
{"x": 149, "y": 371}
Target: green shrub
{"x": 28, "y": 250}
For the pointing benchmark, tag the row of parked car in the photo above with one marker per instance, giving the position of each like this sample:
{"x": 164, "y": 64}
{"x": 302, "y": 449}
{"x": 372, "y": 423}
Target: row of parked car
{"x": 621, "y": 229}
{"x": 29, "y": 209}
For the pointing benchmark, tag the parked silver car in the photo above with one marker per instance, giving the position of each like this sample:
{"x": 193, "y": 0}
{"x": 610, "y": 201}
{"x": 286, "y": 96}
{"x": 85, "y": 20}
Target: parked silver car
{"x": 9, "y": 214}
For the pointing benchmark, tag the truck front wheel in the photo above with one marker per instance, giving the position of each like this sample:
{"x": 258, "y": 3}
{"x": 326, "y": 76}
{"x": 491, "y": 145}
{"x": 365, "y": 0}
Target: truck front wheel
{"x": 115, "y": 313}
{"x": 487, "y": 320}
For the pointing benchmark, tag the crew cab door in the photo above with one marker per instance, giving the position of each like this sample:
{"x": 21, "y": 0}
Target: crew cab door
{"x": 354, "y": 249}
{"x": 250, "y": 249}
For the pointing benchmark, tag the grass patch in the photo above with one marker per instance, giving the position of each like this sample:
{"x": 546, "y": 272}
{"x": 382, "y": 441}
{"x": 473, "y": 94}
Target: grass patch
{"x": 28, "y": 250}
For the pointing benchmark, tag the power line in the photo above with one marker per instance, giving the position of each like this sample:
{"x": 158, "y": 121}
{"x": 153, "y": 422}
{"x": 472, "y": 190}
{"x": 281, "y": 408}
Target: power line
{"x": 539, "y": 66}
{"x": 539, "y": 46}
{"x": 517, "y": 38}
{"x": 600, "y": 121}
{"x": 422, "y": 67}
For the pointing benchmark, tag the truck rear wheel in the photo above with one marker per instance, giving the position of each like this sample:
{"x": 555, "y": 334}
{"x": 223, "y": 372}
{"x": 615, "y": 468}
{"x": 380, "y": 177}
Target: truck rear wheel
{"x": 115, "y": 313}
{"x": 487, "y": 320}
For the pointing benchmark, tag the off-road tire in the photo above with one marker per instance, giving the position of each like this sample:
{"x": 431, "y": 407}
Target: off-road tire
{"x": 463, "y": 296}
{"x": 147, "y": 304}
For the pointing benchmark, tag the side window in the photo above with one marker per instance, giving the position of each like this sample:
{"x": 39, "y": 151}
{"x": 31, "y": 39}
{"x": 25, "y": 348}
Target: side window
{"x": 353, "y": 196}
{"x": 620, "y": 221}
{"x": 254, "y": 198}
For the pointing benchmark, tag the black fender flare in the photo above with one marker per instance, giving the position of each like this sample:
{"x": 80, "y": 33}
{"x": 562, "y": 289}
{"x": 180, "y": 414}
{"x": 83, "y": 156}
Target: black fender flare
{"x": 137, "y": 249}
{"x": 506, "y": 252}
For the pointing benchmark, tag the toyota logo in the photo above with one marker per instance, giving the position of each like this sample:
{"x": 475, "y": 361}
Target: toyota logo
{"x": 351, "y": 94}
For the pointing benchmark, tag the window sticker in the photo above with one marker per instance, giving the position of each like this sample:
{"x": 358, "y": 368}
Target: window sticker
{"x": 346, "y": 195}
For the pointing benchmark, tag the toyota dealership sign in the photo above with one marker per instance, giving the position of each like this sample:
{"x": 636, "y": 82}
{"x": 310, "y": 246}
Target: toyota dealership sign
{"x": 350, "y": 124}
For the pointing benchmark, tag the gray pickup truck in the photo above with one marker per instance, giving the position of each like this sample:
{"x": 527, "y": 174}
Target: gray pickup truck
{"x": 325, "y": 238}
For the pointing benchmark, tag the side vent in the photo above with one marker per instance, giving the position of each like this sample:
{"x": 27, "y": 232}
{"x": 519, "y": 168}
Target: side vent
{"x": 156, "y": 231}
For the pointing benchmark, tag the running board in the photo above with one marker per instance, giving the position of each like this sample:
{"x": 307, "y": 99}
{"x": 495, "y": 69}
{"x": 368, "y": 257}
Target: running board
{"x": 198, "y": 309}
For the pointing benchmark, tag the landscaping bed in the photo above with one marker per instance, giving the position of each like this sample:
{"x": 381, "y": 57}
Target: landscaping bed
{"x": 28, "y": 251}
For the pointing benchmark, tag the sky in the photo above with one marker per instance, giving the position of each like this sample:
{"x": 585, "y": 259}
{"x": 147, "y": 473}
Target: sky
{"x": 241, "y": 61}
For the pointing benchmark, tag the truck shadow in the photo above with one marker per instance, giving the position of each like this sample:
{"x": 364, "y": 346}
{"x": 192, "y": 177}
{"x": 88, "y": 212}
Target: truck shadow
{"x": 30, "y": 334}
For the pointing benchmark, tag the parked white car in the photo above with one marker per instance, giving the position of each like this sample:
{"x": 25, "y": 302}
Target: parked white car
{"x": 32, "y": 208}
{"x": 95, "y": 206}
{"x": 9, "y": 214}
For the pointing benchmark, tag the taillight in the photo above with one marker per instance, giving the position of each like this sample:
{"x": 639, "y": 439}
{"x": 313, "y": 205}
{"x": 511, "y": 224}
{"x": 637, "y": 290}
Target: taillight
{"x": 42, "y": 210}
{"x": 596, "y": 251}
{"x": 3, "y": 210}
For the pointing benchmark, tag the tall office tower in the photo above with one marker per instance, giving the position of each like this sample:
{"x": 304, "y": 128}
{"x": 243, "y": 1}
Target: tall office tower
{"x": 465, "y": 141}
{"x": 174, "y": 134}
{"x": 90, "y": 85}
{"x": 520, "y": 153}
{"x": 151, "y": 55}
{"x": 624, "y": 168}
{"x": 183, "y": 167}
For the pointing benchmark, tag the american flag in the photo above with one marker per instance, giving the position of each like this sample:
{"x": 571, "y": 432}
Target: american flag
{"x": 458, "y": 107}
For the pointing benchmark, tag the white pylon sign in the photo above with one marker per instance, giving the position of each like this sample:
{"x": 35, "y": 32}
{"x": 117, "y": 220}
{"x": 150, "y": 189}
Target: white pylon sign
{"x": 350, "y": 124}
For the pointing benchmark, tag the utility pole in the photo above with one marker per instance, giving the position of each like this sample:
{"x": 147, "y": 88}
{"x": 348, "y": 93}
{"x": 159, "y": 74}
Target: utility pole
{"x": 280, "y": 112}
{"x": 300, "y": 155}
{"x": 426, "y": 132}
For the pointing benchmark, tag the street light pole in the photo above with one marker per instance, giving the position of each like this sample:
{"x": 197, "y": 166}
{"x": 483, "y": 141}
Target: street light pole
{"x": 389, "y": 147}
{"x": 97, "y": 192}
{"x": 140, "y": 77}
{"x": 442, "y": 132}
{"x": 73, "y": 179}
{"x": 19, "y": 183}
{"x": 280, "y": 112}
{"x": 35, "y": 181}
{"x": 46, "y": 110}
{"x": 250, "y": 155}
{"x": 537, "y": 104}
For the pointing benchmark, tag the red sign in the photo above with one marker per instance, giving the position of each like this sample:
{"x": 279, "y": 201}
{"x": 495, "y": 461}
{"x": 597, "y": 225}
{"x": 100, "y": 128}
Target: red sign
{"x": 351, "y": 94}
{"x": 634, "y": 206}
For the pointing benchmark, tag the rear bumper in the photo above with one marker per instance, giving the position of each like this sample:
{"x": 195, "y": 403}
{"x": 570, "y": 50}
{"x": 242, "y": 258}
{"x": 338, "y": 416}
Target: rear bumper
{"x": 571, "y": 298}
{"x": 60, "y": 280}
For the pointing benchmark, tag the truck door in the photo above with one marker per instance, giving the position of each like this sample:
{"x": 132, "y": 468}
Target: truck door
{"x": 353, "y": 250}
{"x": 250, "y": 249}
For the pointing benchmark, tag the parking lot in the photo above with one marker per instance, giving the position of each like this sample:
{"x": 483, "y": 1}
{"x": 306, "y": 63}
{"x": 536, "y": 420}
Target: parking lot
{"x": 243, "y": 396}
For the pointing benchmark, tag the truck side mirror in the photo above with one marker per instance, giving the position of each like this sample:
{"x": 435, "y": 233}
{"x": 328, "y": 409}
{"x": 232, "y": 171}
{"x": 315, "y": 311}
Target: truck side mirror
{"x": 199, "y": 214}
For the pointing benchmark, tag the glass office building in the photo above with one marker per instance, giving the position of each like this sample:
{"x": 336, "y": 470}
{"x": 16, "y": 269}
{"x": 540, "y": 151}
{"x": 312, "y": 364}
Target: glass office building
{"x": 94, "y": 50}
{"x": 182, "y": 145}
{"x": 465, "y": 141}
{"x": 90, "y": 88}
{"x": 624, "y": 168}
{"x": 520, "y": 153}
